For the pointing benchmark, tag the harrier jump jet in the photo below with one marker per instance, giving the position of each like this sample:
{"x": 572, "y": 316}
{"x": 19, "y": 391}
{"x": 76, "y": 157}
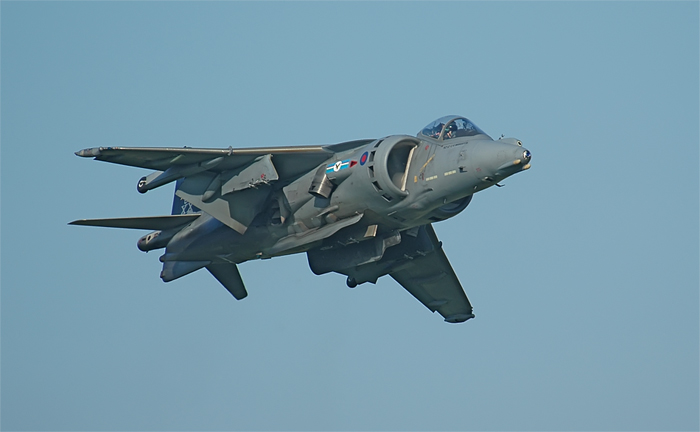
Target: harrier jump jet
{"x": 360, "y": 208}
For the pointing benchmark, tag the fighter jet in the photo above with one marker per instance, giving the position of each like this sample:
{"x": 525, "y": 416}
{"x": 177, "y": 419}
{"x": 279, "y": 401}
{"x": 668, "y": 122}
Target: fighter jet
{"x": 361, "y": 208}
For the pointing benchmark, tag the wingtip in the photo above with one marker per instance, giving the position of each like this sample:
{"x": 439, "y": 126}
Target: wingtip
{"x": 459, "y": 318}
{"x": 89, "y": 152}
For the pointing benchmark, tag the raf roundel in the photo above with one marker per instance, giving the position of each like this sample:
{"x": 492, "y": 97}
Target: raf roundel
{"x": 363, "y": 159}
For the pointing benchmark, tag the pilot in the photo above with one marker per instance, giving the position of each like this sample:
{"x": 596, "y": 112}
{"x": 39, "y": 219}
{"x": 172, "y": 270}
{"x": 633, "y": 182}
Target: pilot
{"x": 436, "y": 131}
{"x": 451, "y": 131}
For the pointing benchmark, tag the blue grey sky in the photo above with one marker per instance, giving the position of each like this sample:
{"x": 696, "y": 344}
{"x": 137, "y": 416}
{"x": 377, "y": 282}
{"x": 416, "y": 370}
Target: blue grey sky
{"x": 583, "y": 271}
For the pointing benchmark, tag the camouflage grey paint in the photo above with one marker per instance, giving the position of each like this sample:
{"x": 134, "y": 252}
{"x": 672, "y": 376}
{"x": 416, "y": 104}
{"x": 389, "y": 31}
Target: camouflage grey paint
{"x": 361, "y": 208}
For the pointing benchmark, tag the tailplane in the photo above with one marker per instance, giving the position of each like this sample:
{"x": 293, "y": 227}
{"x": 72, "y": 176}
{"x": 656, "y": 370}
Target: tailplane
{"x": 169, "y": 234}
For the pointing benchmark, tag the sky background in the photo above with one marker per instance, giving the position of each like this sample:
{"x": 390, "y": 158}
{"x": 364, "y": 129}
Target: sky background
{"x": 583, "y": 271}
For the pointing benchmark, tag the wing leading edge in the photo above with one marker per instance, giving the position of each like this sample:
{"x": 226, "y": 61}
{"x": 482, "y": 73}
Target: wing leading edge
{"x": 142, "y": 222}
{"x": 289, "y": 161}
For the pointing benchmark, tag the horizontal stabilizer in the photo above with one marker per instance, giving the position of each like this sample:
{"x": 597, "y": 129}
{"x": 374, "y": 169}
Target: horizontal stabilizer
{"x": 145, "y": 222}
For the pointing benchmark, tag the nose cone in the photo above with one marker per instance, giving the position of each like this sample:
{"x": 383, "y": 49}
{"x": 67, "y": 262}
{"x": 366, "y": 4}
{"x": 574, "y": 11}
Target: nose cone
{"x": 526, "y": 159}
{"x": 508, "y": 159}
{"x": 500, "y": 159}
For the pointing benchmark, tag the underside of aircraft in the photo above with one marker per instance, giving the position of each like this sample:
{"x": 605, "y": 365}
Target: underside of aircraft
{"x": 361, "y": 208}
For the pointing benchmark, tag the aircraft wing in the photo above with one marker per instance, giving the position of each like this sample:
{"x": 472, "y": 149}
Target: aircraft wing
{"x": 218, "y": 181}
{"x": 289, "y": 161}
{"x": 141, "y": 222}
{"x": 431, "y": 279}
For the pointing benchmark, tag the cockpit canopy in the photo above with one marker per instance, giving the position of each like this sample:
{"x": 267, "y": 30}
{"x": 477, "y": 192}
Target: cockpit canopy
{"x": 449, "y": 127}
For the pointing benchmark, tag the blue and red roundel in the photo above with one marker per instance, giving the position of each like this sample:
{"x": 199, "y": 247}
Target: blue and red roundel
{"x": 364, "y": 157}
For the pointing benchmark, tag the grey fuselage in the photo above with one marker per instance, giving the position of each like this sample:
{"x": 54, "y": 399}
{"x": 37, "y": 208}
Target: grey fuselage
{"x": 392, "y": 184}
{"x": 361, "y": 208}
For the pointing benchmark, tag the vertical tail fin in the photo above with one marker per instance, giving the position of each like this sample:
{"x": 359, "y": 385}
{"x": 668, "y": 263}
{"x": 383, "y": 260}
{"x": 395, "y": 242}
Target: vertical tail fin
{"x": 180, "y": 206}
